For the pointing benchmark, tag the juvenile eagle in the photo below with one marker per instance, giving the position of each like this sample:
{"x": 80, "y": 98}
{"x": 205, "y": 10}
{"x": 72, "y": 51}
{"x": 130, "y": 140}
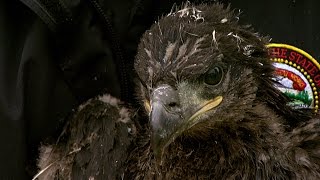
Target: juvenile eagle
{"x": 206, "y": 83}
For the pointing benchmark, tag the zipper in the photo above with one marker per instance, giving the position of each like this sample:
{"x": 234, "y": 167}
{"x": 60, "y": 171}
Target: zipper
{"x": 122, "y": 68}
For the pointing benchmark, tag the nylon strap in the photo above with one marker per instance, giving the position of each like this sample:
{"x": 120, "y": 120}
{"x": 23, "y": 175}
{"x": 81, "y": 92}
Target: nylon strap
{"x": 51, "y": 12}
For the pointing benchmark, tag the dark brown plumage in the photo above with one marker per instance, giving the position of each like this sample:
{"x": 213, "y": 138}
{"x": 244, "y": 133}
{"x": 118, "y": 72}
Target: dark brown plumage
{"x": 94, "y": 143}
{"x": 207, "y": 85}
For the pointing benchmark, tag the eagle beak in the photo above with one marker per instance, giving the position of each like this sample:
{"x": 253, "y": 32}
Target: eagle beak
{"x": 167, "y": 119}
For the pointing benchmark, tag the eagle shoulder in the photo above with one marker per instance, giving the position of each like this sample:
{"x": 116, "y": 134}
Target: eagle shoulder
{"x": 94, "y": 143}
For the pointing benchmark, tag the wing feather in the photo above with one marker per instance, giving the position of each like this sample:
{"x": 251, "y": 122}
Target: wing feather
{"x": 94, "y": 144}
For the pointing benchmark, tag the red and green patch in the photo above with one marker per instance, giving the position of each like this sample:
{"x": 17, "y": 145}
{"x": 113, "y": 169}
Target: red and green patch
{"x": 298, "y": 74}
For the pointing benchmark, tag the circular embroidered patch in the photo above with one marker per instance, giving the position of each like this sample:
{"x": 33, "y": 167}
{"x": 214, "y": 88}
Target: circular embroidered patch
{"x": 298, "y": 74}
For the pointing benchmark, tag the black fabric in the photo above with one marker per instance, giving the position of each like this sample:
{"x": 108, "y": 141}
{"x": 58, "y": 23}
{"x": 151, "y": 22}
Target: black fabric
{"x": 12, "y": 129}
{"x": 46, "y": 72}
{"x": 34, "y": 99}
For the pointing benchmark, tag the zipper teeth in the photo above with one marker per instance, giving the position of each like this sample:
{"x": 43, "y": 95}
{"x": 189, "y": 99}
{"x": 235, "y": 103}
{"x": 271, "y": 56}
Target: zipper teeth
{"x": 121, "y": 65}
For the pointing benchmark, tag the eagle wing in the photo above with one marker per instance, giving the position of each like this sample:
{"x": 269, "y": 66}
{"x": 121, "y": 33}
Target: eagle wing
{"x": 93, "y": 145}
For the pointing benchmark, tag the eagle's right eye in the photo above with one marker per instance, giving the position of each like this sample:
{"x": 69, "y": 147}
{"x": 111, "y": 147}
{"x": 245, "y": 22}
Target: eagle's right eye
{"x": 214, "y": 76}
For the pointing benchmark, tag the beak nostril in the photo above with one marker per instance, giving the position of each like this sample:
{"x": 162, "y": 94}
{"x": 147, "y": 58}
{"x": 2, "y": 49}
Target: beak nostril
{"x": 173, "y": 104}
{"x": 167, "y": 96}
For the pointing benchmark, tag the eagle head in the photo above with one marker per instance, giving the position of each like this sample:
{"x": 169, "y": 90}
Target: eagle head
{"x": 200, "y": 73}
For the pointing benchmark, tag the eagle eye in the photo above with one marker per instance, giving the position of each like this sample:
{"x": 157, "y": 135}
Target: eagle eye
{"x": 214, "y": 76}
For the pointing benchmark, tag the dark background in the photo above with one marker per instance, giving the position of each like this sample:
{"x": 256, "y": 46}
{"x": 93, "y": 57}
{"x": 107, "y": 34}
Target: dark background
{"x": 293, "y": 22}
{"x": 45, "y": 75}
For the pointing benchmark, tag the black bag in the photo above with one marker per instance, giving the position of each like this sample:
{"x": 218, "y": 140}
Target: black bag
{"x": 55, "y": 55}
